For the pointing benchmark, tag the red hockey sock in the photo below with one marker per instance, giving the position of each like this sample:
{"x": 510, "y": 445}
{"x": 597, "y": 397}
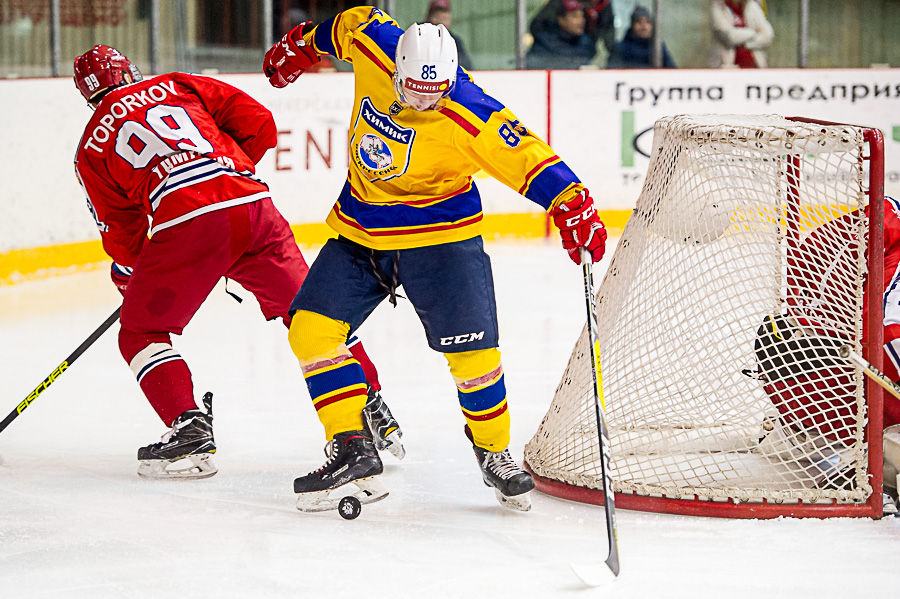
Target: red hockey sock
{"x": 170, "y": 390}
{"x": 359, "y": 352}
{"x": 161, "y": 372}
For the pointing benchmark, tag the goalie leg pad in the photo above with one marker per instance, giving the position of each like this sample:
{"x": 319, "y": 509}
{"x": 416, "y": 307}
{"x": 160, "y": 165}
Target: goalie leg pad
{"x": 829, "y": 463}
{"x": 806, "y": 380}
{"x": 892, "y": 457}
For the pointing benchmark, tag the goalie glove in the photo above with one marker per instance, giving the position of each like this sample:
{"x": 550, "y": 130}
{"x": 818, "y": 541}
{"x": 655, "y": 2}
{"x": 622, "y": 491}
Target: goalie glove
{"x": 120, "y": 275}
{"x": 286, "y": 60}
{"x": 579, "y": 226}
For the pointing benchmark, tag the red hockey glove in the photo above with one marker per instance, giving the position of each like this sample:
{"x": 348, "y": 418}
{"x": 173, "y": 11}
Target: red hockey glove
{"x": 580, "y": 227}
{"x": 120, "y": 276}
{"x": 286, "y": 60}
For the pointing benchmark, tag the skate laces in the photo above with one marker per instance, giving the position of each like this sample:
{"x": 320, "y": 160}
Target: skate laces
{"x": 501, "y": 463}
{"x": 331, "y": 452}
{"x": 177, "y": 426}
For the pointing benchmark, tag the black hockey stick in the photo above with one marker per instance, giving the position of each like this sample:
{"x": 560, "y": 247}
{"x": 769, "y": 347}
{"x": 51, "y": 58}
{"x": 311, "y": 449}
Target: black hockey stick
{"x": 609, "y": 496}
{"x": 57, "y": 372}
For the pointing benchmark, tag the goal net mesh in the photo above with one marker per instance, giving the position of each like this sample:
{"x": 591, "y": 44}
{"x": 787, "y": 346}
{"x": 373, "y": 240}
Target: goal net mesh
{"x": 736, "y": 279}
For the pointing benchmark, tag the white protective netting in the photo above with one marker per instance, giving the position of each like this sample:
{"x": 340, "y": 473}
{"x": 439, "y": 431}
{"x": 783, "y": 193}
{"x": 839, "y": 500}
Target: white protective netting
{"x": 701, "y": 401}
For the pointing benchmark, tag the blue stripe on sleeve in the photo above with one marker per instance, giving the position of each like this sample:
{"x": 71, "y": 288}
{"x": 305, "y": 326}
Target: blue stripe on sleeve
{"x": 473, "y": 97}
{"x": 322, "y": 38}
{"x": 550, "y": 183}
{"x": 385, "y": 35}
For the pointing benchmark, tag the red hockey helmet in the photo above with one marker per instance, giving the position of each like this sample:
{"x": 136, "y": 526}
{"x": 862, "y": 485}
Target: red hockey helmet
{"x": 101, "y": 69}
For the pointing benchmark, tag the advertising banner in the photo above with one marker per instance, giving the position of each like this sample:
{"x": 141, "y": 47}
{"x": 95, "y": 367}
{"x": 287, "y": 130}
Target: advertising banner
{"x": 600, "y": 122}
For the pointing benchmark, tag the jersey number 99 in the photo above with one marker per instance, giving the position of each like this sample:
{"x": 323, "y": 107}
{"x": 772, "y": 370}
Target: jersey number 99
{"x": 167, "y": 122}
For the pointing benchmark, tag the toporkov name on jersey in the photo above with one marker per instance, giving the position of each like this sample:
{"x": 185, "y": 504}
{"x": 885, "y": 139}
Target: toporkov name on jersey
{"x": 384, "y": 125}
{"x": 124, "y": 105}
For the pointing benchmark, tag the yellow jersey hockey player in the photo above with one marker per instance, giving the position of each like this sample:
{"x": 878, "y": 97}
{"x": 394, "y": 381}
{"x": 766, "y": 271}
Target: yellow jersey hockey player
{"x": 409, "y": 214}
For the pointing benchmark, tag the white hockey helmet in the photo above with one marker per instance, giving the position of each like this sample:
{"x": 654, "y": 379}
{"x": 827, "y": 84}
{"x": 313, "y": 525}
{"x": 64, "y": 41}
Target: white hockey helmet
{"x": 425, "y": 65}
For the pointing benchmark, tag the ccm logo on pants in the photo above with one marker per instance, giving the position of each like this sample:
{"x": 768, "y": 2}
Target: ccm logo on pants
{"x": 462, "y": 338}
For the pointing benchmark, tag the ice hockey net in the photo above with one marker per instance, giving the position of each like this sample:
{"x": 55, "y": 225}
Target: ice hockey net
{"x": 741, "y": 270}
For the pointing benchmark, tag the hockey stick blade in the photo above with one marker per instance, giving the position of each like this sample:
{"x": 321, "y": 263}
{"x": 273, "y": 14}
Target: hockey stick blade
{"x": 609, "y": 496}
{"x": 593, "y": 575}
{"x": 60, "y": 369}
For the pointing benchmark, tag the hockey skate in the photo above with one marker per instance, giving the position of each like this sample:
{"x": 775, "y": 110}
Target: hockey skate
{"x": 511, "y": 484}
{"x": 381, "y": 424}
{"x": 185, "y": 451}
{"x": 352, "y": 468}
{"x": 828, "y": 464}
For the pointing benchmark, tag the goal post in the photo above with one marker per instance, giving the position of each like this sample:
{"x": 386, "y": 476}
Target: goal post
{"x": 741, "y": 272}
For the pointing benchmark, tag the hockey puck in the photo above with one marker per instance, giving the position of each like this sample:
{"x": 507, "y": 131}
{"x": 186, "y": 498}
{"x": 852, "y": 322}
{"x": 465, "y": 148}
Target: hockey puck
{"x": 349, "y": 507}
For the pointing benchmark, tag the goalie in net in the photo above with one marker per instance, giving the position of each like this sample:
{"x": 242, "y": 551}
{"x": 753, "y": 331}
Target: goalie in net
{"x": 740, "y": 224}
{"x": 797, "y": 355}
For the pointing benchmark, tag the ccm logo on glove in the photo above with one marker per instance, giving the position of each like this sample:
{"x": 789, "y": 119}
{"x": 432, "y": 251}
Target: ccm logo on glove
{"x": 580, "y": 227}
{"x": 286, "y": 60}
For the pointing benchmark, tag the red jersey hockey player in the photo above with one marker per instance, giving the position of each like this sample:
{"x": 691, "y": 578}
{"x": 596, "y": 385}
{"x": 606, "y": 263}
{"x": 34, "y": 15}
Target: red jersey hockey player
{"x": 168, "y": 168}
{"x": 816, "y": 302}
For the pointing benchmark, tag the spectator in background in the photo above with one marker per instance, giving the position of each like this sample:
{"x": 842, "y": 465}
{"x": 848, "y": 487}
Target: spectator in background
{"x": 601, "y": 24}
{"x": 635, "y": 51}
{"x": 741, "y": 33}
{"x": 560, "y": 42}
{"x": 439, "y": 14}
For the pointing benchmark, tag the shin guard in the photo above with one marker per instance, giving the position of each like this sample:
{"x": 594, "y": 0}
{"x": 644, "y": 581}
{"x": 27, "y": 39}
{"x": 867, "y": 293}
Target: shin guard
{"x": 335, "y": 379}
{"x": 482, "y": 396}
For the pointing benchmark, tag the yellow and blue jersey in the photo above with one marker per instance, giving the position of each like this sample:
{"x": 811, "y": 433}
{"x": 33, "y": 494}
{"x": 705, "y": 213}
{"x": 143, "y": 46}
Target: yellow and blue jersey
{"x": 410, "y": 180}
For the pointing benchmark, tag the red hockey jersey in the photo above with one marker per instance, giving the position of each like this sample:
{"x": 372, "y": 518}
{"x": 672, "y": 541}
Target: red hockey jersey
{"x": 164, "y": 150}
{"x": 829, "y": 251}
{"x": 822, "y": 302}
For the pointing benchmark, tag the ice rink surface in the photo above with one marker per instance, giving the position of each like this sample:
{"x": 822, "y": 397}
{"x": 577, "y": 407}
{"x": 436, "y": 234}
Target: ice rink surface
{"x": 77, "y": 521}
